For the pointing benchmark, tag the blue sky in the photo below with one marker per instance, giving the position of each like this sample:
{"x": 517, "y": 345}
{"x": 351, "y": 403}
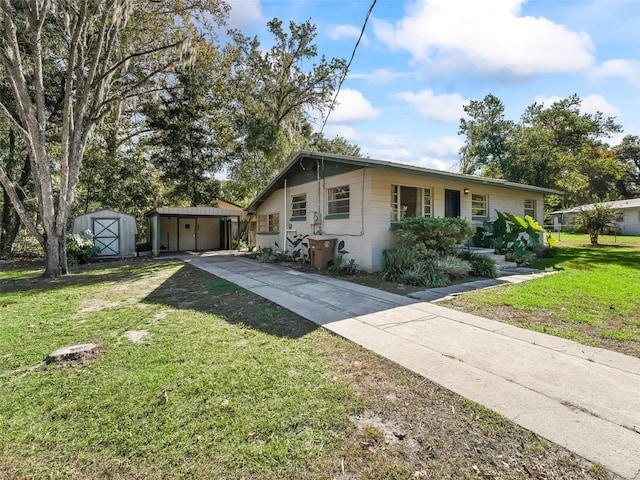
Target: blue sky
{"x": 422, "y": 60}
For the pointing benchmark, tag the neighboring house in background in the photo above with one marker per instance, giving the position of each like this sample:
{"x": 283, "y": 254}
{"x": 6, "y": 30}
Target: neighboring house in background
{"x": 179, "y": 229}
{"x": 358, "y": 199}
{"x": 114, "y": 233}
{"x": 628, "y": 223}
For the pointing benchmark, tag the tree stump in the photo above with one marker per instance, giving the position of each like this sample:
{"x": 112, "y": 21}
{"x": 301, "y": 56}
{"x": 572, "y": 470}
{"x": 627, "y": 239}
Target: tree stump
{"x": 74, "y": 353}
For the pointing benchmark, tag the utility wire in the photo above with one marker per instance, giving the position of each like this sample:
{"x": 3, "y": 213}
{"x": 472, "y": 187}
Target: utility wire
{"x": 346, "y": 71}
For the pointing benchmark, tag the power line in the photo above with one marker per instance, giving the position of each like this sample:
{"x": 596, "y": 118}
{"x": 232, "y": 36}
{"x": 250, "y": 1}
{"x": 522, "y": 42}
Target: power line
{"x": 346, "y": 71}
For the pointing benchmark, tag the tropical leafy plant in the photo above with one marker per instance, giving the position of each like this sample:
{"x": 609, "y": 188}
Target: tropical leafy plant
{"x": 510, "y": 235}
{"x": 299, "y": 248}
{"x": 341, "y": 266}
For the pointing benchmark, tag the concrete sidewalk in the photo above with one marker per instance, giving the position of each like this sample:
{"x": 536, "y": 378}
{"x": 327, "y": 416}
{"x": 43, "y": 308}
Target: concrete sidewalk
{"x": 583, "y": 398}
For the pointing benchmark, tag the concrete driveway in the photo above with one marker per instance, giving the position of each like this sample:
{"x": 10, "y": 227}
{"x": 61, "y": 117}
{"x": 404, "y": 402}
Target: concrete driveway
{"x": 583, "y": 398}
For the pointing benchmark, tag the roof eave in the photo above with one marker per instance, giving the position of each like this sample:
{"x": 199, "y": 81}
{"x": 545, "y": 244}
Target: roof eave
{"x": 366, "y": 162}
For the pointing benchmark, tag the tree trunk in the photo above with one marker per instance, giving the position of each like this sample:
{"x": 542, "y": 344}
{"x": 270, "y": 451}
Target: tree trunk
{"x": 593, "y": 236}
{"x": 55, "y": 256}
{"x": 9, "y": 227}
{"x": 10, "y": 218}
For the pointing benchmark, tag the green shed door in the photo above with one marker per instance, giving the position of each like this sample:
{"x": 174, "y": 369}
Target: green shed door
{"x": 106, "y": 236}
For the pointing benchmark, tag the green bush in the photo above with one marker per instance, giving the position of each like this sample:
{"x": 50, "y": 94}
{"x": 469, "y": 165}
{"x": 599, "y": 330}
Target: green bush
{"x": 433, "y": 236}
{"x": 423, "y": 274}
{"x": 341, "y": 266}
{"x": 451, "y": 266}
{"x": 510, "y": 235}
{"x": 395, "y": 261}
{"x": 26, "y": 246}
{"x": 80, "y": 246}
{"x": 482, "y": 265}
{"x": 522, "y": 258}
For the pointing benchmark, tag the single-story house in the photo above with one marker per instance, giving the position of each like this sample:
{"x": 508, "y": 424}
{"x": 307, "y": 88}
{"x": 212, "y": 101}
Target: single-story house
{"x": 627, "y": 224}
{"x": 356, "y": 200}
{"x": 179, "y": 229}
{"x": 114, "y": 233}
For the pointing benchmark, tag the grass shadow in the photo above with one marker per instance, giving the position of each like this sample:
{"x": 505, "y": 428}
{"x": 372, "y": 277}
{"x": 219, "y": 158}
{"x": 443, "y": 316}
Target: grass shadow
{"x": 194, "y": 289}
{"x": 27, "y": 277}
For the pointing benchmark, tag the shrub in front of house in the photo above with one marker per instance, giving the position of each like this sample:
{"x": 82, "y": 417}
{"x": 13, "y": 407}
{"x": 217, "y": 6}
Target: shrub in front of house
{"x": 432, "y": 237}
{"x": 451, "y": 266}
{"x": 481, "y": 265}
{"x": 424, "y": 274}
{"x": 395, "y": 261}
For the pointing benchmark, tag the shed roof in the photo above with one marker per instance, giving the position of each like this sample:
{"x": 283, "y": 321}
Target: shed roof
{"x": 297, "y": 163}
{"x": 196, "y": 212}
{"x": 615, "y": 205}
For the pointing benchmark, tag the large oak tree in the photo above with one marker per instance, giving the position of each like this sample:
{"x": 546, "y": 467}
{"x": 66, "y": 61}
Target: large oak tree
{"x": 109, "y": 51}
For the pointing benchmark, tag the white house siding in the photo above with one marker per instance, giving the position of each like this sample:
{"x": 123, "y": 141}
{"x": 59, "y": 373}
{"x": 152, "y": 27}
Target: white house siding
{"x": 274, "y": 204}
{"x": 631, "y": 221}
{"x": 366, "y": 233}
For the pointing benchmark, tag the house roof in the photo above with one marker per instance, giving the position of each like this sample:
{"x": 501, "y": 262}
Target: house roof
{"x": 615, "y": 205}
{"x": 297, "y": 163}
{"x": 197, "y": 212}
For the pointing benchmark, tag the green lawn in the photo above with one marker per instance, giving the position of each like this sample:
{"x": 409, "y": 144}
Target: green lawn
{"x": 238, "y": 399}
{"x": 592, "y": 299}
{"x": 225, "y": 385}
{"x": 583, "y": 239}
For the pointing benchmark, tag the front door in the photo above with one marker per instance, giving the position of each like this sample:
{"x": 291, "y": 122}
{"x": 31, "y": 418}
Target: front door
{"x": 186, "y": 234}
{"x": 452, "y": 203}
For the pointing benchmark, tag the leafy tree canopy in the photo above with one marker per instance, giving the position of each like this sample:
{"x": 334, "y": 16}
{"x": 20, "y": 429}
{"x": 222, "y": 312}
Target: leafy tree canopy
{"x": 557, "y": 147}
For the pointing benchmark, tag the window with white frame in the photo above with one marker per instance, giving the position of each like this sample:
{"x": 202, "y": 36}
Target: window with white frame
{"x": 530, "y": 208}
{"x": 410, "y": 202}
{"x": 269, "y": 223}
{"x": 338, "y": 200}
{"x": 479, "y": 205}
{"x": 299, "y": 205}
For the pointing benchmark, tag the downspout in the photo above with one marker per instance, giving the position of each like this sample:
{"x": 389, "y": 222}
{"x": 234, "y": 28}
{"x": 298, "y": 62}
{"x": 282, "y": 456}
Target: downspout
{"x": 284, "y": 230}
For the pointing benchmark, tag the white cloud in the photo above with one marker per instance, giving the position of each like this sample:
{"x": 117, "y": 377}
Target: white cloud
{"x": 628, "y": 69}
{"x": 590, "y": 104}
{"x": 339, "y": 32}
{"x": 353, "y": 107}
{"x": 444, "y": 108}
{"x": 244, "y": 12}
{"x": 489, "y": 35}
{"x": 444, "y": 146}
{"x": 345, "y": 131}
{"x": 437, "y": 163}
{"x": 381, "y": 75}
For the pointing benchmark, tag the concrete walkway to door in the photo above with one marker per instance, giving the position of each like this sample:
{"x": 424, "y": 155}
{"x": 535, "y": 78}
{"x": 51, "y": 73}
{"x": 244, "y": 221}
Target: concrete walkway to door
{"x": 583, "y": 398}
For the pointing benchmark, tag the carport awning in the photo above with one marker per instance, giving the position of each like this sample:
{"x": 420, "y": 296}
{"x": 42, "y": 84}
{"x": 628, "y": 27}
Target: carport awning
{"x": 196, "y": 212}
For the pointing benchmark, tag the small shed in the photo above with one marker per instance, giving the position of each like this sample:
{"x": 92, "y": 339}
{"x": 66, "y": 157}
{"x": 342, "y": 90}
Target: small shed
{"x": 114, "y": 233}
{"x": 179, "y": 229}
